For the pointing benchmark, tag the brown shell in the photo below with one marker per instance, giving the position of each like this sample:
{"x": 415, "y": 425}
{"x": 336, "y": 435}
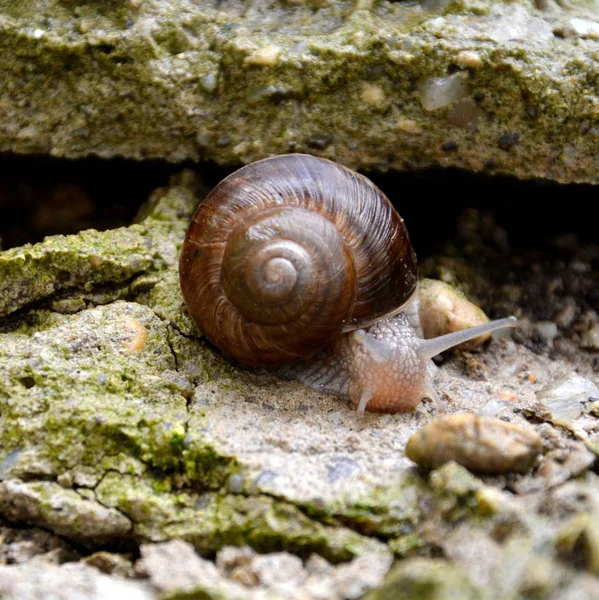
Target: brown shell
{"x": 286, "y": 252}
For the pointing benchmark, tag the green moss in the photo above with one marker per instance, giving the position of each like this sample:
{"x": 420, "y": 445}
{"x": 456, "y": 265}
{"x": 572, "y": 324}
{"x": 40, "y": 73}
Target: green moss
{"x": 212, "y": 520}
{"x": 91, "y": 259}
{"x": 385, "y": 512}
{"x": 407, "y": 545}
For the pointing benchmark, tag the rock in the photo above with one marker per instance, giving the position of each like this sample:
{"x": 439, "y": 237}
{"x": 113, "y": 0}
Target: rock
{"x": 67, "y": 582}
{"x": 20, "y": 545}
{"x": 444, "y": 309}
{"x": 64, "y": 512}
{"x": 590, "y": 338}
{"x": 566, "y": 315}
{"x": 481, "y": 444}
{"x": 30, "y": 273}
{"x": 277, "y": 569}
{"x": 547, "y": 330}
{"x": 233, "y": 562}
{"x": 437, "y": 580}
{"x": 566, "y": 399}
{"x": 578, "y": 542}
{"x": 579, "y": 496}
{"x": 360, "y": 575}
{"x": 556, "y": 467}
{"x": 111, "y": 563}
{"x": 193, "y": 80}
{"x": 175, "y": 567}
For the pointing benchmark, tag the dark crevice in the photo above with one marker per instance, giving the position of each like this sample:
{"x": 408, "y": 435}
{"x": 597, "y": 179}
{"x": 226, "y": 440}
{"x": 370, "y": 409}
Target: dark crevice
{"x": 187, "y": 336}
{"x": 171, "y": 348}
{"x": 82, "y": 550}
{"x": 42, "y": 196}
{"x": 78, "y": 549}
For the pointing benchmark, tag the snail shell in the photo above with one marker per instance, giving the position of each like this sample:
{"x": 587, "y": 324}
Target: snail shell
{"x": 287, "y": 253}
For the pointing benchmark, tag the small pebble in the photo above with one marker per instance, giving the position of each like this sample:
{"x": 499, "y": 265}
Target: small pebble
{"x": 465, "y": 114}
{"x": 68, "y": 306}
{"x": 342, "y": 468}
{"x": 267, "y": 56}
{"x": 546, "y": 330}
{"x": 590, "y": 338}
{"x": 566, "y": 315}
{"x": 492, "y": 408}
{"x": 110, "y": 563}
{"x": 319, "y": 141}
{"x": 470, "y": 59}
{"x": 449, "y": 146}
{"x": 409, "y": 126}
{"x": 137, "y": 335}
{"x": 482, "y": 444}
{"x": 236, "y": 484}
{"x": 209, "y": 82}
{"x": 444, "y": 309}
{"x": 578, "y": 542}
{"x": 373, "y": 95}
{"x": 437, "y": 92}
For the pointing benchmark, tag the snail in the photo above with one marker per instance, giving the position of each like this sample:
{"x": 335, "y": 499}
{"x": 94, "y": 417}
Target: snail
{"x": 296, "y": 260}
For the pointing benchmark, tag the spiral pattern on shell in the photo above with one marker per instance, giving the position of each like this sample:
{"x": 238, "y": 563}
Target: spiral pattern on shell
{"x": 286, "y": 252}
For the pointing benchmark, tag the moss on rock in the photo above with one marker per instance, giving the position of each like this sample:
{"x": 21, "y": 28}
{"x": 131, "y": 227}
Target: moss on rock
{"x": 348, "y": 80}
{"x": 426, "y": 579}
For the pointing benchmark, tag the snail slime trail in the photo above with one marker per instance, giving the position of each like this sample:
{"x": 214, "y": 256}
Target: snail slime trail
{"x": 298, "y": 261}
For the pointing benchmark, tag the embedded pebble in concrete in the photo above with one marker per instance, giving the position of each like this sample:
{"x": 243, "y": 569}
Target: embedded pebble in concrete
{"x": 481, "y": 444}
{"x": 547, "y": 330}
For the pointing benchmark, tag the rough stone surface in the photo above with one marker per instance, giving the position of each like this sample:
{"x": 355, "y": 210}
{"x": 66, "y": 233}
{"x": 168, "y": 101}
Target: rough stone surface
{"x": 496, "y": 86}
{"x": 426, "y": 578}
{"x": 175, "y": 569}
{"x": 67, "y": 582}
{"x": 122, "y": 428}
{"x": 20, "y": 545}
{"x": 65, "y": 512}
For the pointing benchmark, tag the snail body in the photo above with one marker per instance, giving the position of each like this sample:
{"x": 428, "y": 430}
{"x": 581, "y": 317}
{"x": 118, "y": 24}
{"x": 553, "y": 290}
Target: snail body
{"x": 296, "y": 259}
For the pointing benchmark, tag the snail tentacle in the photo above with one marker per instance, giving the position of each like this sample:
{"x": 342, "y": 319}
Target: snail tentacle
{"x": 433, "y": 347}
